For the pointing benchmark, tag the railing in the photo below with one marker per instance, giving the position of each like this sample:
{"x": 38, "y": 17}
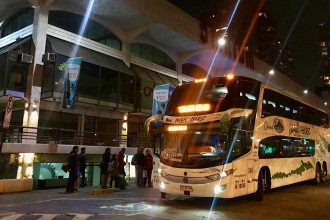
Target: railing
{"x": 45, "y": 135}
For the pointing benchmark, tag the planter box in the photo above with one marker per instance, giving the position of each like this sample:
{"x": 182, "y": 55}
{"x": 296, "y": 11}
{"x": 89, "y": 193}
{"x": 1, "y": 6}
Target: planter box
{"x": 15, "y": 185}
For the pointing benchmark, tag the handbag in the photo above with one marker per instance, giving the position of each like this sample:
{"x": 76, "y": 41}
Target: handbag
{"x": 65, "y": 167}
{"x": 77, "y": 172}
{"x": 145, "y": 175}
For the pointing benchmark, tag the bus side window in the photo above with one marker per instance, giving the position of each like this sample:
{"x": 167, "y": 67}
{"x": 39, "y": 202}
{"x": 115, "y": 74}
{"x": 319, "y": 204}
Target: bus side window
{"x": 267, "y": 110}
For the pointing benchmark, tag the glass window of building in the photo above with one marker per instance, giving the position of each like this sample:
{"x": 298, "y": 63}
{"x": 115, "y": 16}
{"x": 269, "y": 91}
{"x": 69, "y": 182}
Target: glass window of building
{"x": 3, "y": 62}
{"x": 109, "y": 85}
{"x": 88, "y": 82}
{"x": 19, "y": 21}
{"x": 147, "y": 52}
{"x": 95, "y": 31}
{"x": 59, "y": 72}
{"x": 57, "y": 126}
{"x": 152, "y": 54}
{"x": 126, "y": 89}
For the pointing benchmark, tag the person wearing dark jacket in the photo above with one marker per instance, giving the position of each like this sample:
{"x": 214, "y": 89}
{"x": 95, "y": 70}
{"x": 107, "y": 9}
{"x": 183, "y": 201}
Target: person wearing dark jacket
{"x": 73, "y": 165}
{"x": 148, "y": 167}
{"x": 121, "y": 161}
{"x": 104, "y": 167}
{"x": 82, "y": 163}
{"x": 140, "y": 162}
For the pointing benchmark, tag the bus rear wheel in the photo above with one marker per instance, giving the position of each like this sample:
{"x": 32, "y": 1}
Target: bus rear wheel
{"x": 162, "y": 195}
{"x": 259, "y": 194}
{"x": 324, "y": 173}
{"x": 318, "y": 175}
{"x": 263, "y": 185}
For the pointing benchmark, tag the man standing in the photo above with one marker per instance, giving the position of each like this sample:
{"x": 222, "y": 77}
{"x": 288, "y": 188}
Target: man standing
{"x": 73, "y": 170}
{"x": 140, "y": 162}
{"x": 121, "y": 166}
{"x": 104, "y": 167}
{"x": 82, "y": 163}
{"x": 148, "y": 167}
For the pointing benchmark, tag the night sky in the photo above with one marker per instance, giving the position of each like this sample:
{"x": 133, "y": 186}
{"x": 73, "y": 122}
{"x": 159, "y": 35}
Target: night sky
{"x": 296, "y": 22}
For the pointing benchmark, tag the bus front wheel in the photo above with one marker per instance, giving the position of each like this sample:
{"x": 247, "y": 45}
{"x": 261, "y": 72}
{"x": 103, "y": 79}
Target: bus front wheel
{"x": 259, "y": 194}
{"x": 162, "y": 195}
{"x": 318, "y": 175}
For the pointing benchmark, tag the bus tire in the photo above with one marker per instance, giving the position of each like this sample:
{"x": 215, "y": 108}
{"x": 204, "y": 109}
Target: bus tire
{"x": 162, "y": 195}
{"x": 324, "y": 173}
{"x": 318, "y": 175}
{"x": 259, "y": 194}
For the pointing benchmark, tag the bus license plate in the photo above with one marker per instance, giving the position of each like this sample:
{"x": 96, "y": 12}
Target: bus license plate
{"x": 186, "y": 188}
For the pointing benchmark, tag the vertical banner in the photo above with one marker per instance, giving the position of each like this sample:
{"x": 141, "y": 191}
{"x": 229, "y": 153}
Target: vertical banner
{"x": 9, "y": 109}
{"x": 71, "y": 75}
{"x": 161, "y": 96}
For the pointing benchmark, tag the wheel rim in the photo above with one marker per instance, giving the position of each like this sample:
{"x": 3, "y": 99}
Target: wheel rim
{"x": 264, "y": 180}
{"x": 318, "y": 176}
{"x": 324, "y": 174}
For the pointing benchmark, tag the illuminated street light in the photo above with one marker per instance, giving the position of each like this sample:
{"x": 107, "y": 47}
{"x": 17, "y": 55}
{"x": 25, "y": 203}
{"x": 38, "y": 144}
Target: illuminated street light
{"x": 221, "y": 41}
{"x": 325, "y": 103}
{"x": 305, "y": 91}
{"x": 271, "y": 72}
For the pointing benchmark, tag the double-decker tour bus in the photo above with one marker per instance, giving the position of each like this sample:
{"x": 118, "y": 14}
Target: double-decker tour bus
{"x": 232, "y": 136}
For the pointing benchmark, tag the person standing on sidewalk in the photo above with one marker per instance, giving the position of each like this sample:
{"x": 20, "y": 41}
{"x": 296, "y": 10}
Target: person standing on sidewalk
{"x": 73, "y": 169}
{"x": 121, "y": 160}
{"x": 82, "y": 163}
{"x": 104, "y": 167}
{"x": 140, "y": 163}
{"x": 149, "y": 163}
{"x": 114, "y": 171}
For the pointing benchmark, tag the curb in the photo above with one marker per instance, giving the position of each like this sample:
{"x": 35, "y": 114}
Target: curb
{"x": 103, "y": 191}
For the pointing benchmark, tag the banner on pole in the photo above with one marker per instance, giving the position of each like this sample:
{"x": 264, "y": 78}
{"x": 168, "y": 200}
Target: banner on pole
{"x": 71, "y": 75}
{"x": 161, "y": 96}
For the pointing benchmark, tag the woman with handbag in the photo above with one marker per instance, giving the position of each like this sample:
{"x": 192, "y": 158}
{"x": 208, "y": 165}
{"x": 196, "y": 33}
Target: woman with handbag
{"x": 73, "y": 165}
{"x": 114, "y": 170}
{"x": 104, "y": 167}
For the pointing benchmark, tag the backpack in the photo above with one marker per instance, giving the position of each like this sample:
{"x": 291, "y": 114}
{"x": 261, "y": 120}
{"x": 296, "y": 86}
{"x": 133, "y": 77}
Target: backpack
{"x": 134, "y": 161}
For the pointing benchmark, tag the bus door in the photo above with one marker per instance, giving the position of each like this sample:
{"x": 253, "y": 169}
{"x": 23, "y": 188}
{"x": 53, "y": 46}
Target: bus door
{"x": 156, "y": 143}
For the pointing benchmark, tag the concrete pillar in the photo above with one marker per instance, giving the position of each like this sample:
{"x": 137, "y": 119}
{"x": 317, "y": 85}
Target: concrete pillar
{"x": 123, "y": 130}
{"x": 126, "y": 53}
{"x": 33, "y": 87}
{"x": 179, "y": 69}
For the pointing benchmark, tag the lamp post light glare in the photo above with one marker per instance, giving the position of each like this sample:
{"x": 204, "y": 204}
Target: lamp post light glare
{"x": 271, "y": 72}
{"x": 221, "y": 41}
{"x": 305, "y": 91}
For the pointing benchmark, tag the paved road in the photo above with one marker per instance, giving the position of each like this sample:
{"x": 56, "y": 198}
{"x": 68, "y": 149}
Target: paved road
{"x": 299, "y": 201}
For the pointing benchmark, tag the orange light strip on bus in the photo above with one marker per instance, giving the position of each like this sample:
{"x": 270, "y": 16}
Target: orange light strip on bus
{"x": 200, "y": 80}
{"x": 177, "y": 128}
{"x": 230, "y": 76}
{"x": 194, "y": 108}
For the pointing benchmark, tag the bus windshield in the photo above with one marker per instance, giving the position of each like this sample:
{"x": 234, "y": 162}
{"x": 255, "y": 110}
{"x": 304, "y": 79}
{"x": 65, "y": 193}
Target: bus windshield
{"x": 202, "y": 146}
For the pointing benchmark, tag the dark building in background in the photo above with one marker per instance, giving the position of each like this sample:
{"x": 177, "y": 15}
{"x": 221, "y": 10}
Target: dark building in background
{"x": 323, "y": 30}
{"x": 324, "y": 36}
{"x": 251, "y": 27}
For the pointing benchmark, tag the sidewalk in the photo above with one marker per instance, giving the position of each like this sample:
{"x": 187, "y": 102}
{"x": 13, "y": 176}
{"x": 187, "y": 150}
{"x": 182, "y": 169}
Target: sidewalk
{"x": 132, "y": 191}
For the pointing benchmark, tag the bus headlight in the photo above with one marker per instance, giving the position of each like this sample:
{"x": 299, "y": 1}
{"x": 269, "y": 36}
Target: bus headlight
{"x": 219, "y": 188}
{"x": 226, "y": 173}
{"x": 163, "y": 173}
{"x": 162, "y": 185}
{"x": 214, "y": 177}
